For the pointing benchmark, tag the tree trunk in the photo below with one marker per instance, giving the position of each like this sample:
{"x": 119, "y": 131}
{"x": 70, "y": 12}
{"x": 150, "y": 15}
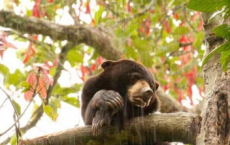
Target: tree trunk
{"x": 173, "y": 127}
{"x": 215, "y": 113}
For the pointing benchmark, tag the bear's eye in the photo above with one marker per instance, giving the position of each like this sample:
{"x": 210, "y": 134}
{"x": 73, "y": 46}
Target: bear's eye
{"x": 135, "y": 76}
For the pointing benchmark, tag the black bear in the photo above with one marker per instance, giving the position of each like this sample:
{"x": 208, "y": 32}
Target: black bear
{"x": 125, "y": 89}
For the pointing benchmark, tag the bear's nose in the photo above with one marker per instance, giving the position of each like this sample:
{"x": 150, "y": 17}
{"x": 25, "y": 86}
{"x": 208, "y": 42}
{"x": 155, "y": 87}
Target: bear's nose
{"x": 147, "y": 93}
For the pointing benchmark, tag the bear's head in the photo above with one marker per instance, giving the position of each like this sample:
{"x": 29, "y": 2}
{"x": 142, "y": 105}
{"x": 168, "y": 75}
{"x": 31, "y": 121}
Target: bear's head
{"x": 132, "y": 80}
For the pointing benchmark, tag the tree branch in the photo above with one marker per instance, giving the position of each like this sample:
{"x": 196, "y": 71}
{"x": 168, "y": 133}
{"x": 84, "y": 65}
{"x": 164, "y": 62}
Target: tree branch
{"x": 144, "y": 11}
{"x": 148, "y": 129}
{"x": 169, "y": 104}
{"x": 94, "y": 37}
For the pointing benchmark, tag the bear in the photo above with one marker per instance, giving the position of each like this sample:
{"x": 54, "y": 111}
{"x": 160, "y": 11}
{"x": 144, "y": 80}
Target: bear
{"x": 123, "y": 90}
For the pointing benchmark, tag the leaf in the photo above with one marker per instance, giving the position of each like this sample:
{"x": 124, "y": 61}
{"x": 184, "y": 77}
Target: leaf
{"x": 74, "y": 56}
{"x": 49, "y": 111}
{"x": 28, "y": 95}
{"x": 207, "y": 5}
{"x": 219, "y": 49}
{"x": 224, "y": 59}
{"x": 17, "y": 107}
{"x": 43, "y": 67}
{"x": 13, "y": 140}
{"x": 222, "y": 31}
{"x": 198, "y": 40}
{"x": 25, "y": 84}
{"x": 181, "y": 30}
{"x": 97, "y": 16}
{"x": 41, "y": 89}
{"x": 4, "y": 70}
{"x": 72, "y": 101}
{"x": 15, "y": 78}
{"x": 32, "y": 79}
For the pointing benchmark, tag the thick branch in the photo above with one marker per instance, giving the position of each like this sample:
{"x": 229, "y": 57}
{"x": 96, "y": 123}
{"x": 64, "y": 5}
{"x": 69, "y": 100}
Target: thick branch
{"x": 94, "y": 37}
{"x": 180, "y": 127}
{"x": 168, "y": 103}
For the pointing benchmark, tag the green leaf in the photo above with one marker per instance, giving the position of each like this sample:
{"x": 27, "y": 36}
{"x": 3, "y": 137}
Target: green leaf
{"x": 15, "y": 78}
{"x": 25, "y": 84}
{"x": 207, "y": 5}
{"x": 4, "y": 70}
{"x": 131, "y": 52}
{"x": 97, "y": 16}
{"x": 55, "y": 104}
{"x": 181, "y": 30}
{"x": 74, "y": 56}
{"x": 72, "y": 101}
{"x": 13, "y": 140}
{"x": 58, "y": 90}
{"x": 224, "y": 59}
{"x": 222, "y": 31}
{"x": 17, "y": 107}
{"x": 219, "y": 49}
{"x": 198, "y": 40}
{"x": 49, "y": 111}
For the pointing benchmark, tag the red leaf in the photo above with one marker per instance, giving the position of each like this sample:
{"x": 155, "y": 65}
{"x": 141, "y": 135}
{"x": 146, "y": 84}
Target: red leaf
{"x": 30, "y": 52}
{"x": 45, "y": 73}
{"x": 35, "y": 10}
{"x": 87, "y": 8}
{"x": 100, "y": 60}
{"x": 4, "y": 43}
{"x": 41, "y": 89}
{"x": 39, "y": 66}
{"x": 176, "y": 16}
{"x": 128, "y": 7}
{"x": 32, "y": 79}
{"x": 167, "y": 26}
{"x": 28, "y": 95}
{"x": 93, "y": 67}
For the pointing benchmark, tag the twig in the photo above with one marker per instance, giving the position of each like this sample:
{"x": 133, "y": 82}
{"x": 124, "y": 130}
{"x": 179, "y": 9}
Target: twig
{"x": 34, "y": 94}
{"x": 8, "y": 96}
{"x": 43, "y": 45}
{"x": 16, "y": 120}
{"x": 144, "y": 11}
{"x": 179, "y": 53}
{"x": 186, "y": 19}
{"x": 72, "y": 11}
{"x": 107, "y": 6}
{"x": 185, "y": 44}
{"x": 165, "y": 17}
{"x": 3, "y": 102}
{"x": 15, "y": 113}
{"x": 39, "y": 112}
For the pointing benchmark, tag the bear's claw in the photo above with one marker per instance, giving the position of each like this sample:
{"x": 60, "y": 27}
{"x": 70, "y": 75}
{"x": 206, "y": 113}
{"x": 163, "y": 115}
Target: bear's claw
{"x": 108, "y": 103}
{"x": 102, "y": 118}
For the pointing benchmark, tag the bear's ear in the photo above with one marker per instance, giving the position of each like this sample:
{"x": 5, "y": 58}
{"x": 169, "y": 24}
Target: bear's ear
{"x": 156, "y": 85}
{"x": 107, "y": 64}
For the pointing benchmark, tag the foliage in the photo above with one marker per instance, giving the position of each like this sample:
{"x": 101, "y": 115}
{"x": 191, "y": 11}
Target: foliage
{"x": 221, "y": 31}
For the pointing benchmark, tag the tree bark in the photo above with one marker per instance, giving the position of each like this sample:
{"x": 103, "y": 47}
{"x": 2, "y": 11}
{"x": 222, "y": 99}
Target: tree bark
{"x": 169, "y": 104}
{"x": 176, "y": 127}
{"x": 215, "y": 113}
{"x": 95, "y": 37}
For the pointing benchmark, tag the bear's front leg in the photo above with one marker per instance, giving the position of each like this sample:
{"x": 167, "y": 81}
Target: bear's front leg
{"x": 103, "y": 105}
